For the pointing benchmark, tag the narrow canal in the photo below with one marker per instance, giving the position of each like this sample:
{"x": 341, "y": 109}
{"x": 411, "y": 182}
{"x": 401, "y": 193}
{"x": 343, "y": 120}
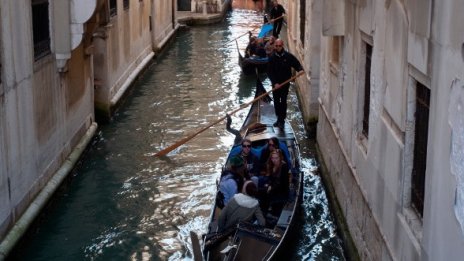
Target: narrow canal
{"x": 121, "y": 203}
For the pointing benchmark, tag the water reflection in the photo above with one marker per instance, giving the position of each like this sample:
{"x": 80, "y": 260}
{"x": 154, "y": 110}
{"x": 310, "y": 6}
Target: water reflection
{"x": 256, "y": 5}
{"x": 124, "y": 204}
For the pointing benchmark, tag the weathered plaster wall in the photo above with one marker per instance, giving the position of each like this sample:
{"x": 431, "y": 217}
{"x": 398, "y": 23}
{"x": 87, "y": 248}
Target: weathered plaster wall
{"x": 444, "y": 183}
{"x": 413, "y": 41}
{"x": 41, "y": 118}
{"x": 309, "y": 55}
{"x": 121, "y": 46}
{"x": 163, "y": 21}
{"x": 306, "y": 52}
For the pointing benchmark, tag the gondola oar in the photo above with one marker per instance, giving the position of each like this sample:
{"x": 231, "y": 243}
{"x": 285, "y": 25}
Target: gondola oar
{"x": 249, "y": 32}
{"x": 275, "y": 19}
{"x": 270, "y": 22}
{"x": 197, "y": 256}
{"x": 186, "y": 139}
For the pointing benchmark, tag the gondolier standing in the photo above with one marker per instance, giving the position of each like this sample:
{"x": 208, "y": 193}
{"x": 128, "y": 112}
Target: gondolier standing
{"x": 277, "y": 11}
{"x": 279, "y": 70}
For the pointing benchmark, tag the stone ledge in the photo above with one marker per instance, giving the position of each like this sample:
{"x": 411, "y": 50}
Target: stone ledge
{"x": 201, "y": 19}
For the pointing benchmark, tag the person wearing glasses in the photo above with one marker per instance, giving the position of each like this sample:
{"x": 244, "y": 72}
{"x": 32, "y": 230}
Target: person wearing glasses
{"x": 250, "y": 158}
{"x": 277, "y": 13}
{"x": 280, "y": 67}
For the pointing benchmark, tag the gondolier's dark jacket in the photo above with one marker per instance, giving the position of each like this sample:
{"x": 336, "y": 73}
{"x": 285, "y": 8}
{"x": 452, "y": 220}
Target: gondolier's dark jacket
{"x": 280, "y": 67}
{"x": 277, "y": 11}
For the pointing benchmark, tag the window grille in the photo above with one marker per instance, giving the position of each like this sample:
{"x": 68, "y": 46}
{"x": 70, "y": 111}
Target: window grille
{"x": 420, "y": 147}
{"x": 40, "y": 29}
{"x": 367, "y": 90}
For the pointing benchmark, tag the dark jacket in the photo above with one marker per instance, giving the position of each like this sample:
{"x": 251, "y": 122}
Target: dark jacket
{"x": 277, "y": 11}
{"x": 279, "y": 183}
{"x": 280, "y": 66}
{"x": 265, "y": 152}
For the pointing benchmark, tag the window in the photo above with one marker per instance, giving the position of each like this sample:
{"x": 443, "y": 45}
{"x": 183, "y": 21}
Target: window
{"x": 367, "y": 90}
{"x": 40, "y": 29}
{"x": 125, "y": 4}
{"x": 113, "y": 7}
{"x": 302, "y": 21}
{"x": 335, "y": 43}
{"x": 420, "y": 147}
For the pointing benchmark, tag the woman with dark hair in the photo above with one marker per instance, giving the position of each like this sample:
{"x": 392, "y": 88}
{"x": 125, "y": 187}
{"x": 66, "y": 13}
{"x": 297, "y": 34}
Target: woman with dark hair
{"x": 278, "y": 183}
{"x": 273, "y": 144}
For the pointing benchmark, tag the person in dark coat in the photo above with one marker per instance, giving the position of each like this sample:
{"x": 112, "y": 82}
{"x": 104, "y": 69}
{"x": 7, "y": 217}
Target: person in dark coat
{"x": 252, "y": 47}
{"x": 277, "y": 11}
{"x": 278, "y": 184}
{"x": 251, "y": 160}
{"x": 271, "y": 145}
{"x": 280, "y": 70}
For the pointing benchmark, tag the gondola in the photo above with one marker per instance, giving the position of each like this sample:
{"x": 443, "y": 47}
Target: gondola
{"x": 249, "y": 241}
{"x": 250, "y": 64}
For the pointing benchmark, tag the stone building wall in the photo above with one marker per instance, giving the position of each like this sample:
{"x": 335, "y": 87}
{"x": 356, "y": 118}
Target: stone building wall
{"x": 46, "y": 104}
{"x": 370, "y": 161}
{"x": 122, "y": 47}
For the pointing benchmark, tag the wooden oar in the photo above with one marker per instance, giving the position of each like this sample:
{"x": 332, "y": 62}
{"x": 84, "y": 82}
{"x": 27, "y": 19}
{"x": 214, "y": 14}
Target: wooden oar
{"x": 271, "y": 21}
{"x": 238, "y": 49}
{"x": 275, "y": 19}
{"x": 197, "y": 256}
{"x": 185, "y": 139}
{"x": 242, "y": 35}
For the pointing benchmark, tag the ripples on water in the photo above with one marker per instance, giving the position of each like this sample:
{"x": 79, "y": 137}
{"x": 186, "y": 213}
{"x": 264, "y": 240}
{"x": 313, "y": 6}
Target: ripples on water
{"x": 124, "y": 204}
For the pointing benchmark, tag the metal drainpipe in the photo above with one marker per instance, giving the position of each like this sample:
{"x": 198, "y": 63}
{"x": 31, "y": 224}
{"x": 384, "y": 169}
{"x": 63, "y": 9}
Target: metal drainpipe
{"x": 39, "y": 202}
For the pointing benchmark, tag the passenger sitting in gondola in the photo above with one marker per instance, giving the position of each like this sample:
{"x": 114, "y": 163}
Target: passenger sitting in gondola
{"x": 232, "y": 179}
{"x": 277, "y": 185}
{"x": 255, "y": 48}
{"x": 250, "y": 158}
{"x": 260, "y": 48}
{"x": 271, "y": 145}
{"x": 250, "y": 50}
{"x": 243, "y": 207}
{"x": 269, "y": 47}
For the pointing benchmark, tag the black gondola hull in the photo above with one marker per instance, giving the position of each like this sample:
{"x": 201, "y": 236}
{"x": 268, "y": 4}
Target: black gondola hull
{"x": 252, "y": 242}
